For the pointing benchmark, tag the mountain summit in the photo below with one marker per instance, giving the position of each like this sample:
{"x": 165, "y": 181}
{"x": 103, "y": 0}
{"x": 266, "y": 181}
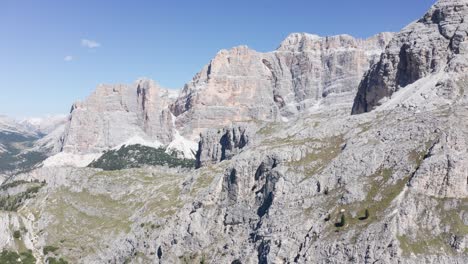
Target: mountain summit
{"x": 258, "y": 159}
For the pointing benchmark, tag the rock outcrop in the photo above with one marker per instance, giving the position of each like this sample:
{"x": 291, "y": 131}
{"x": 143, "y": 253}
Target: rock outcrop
{"x": 435, "y": 43}
{"x": 114, "y": 114}
{"x": 238, "y": 86}
{"x": 386, "y": 187}
{"x": 222, "y": 144}
{"x": 242, "y": 85}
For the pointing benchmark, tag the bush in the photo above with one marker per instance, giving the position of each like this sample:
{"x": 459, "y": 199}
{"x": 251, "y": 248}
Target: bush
{"x": 12, "y": 203}
{"x": 342, "y": 221}
{"x": 52, "y": 260}
{"x": 17, "y": 234}
{"x": 10, "y": 257}
{"x": 48, "y": 249}
{"x": 366, "y": 215}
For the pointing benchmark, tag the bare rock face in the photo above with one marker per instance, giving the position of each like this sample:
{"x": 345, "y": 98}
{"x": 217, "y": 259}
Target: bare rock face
{"x": 115, "y": 113}
{"x": 218, "y": 145}
{"x": 435, "y": 43}
{"x": 242, "y": 85}
{"x": 238, "y": 86}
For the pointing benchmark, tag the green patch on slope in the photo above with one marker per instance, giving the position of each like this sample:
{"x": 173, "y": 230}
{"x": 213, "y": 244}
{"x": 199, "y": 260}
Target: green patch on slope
{"x": 317, "y": 160}
{"x": 84, "y": 219}
{"x": 452, "y": 216}
{"x": 424, "y": 245}
{"x": 13, "y": 202}
{"x": 11, "y": 257}
{"x": 379, "y": 197}
{"x": 203, "y": 181}
{"x": 136, "y": 156}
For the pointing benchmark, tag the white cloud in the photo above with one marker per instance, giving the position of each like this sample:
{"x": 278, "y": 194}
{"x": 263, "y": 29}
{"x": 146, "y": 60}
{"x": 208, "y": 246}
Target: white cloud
{"x": 91, "y": 44}
{"x": 68, "y": 58}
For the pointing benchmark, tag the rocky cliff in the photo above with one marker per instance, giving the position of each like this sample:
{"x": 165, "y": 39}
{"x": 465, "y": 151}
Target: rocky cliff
{"x": 435, "y": 43}
{"x": 114, "y": 114}
{"x": 242, "y": 85}
{"x": 218, "y": 145}
{"x": 238, "y": 86}
{"x": 388, "y": 186}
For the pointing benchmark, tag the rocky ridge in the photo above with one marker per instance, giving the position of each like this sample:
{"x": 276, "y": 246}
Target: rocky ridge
{"x": 323, "y": 186}
{"x": 434, "y": 44}
{"x": 243, "y": 85}
{"x": 239, "y": 86}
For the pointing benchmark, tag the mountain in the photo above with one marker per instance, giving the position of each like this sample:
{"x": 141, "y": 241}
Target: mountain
{"x": 429, "y": 51}
{"x": 306, "y": 71}
{"x": 316, "y": 176}
{"x": 240, "y": 85}
{"x": 44, "y": 125}
{"x": 16, "y": 147}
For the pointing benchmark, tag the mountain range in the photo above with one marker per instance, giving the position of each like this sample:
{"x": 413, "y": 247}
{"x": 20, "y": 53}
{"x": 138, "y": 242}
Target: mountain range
{"x": 327, "y": 150}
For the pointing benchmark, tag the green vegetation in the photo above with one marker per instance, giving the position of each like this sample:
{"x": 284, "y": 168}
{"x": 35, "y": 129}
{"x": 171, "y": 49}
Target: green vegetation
{"x": 136, "y": 156}
{"x": 451, "y": 217}
{"x": 17, "y": 234}
{"x": 317, "y": 160}
{"x": 9, "y": 185}
{"x": 10, "y": 257}
{"x": 364, "y": 127}
{"x": 193, "y": 258}
{"x": 81, "y": 217}
{"x": 422, "y": 245}
{"x": 52, "y": 260}
{"x": 13, "y": 202}
{"x": 379, "y": 197}
{"x": 417, "y": 156}
{"x": 269, "y": 129}
{"x": 424, "y": 242}
{"x": 203, "y": 181}
{"x": 366, "y": 215}
{"x": 342, "y": 221}
{"x": 48, "y": 249}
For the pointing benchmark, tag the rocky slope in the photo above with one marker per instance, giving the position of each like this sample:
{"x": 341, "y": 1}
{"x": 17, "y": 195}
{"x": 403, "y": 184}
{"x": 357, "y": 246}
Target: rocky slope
{"x": 322, "y": 186}
{"x": 434, "y": 44}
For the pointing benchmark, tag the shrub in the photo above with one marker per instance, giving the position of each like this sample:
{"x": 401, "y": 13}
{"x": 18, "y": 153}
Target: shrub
{"x": 52, "y": 260}
{"x": 17, "y": 234}
{"x": 366, "y": 215}
{"x": 10, "y": 257}
{"x": 342, "y": 221}
{"x": 48, "y": 249}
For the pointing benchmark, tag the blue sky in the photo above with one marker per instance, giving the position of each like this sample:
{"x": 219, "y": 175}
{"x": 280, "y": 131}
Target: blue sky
{"x": 53, "y": 53}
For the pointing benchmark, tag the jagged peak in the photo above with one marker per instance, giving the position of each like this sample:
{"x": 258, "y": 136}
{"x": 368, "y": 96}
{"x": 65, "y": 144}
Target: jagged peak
{"x": 241, "y": 49}
{"x": 299, "y": 42}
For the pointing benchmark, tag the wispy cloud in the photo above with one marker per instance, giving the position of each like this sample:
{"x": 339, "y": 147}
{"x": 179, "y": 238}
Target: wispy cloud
{"x": 68, "y": 58}
{"x": 91, "y": 44}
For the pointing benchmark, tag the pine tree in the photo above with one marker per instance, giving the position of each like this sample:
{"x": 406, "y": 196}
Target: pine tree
{"x": 343, "y": 220}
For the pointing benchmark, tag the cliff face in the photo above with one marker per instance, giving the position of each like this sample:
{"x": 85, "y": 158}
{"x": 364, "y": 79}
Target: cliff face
{"x": 242, "y": 85}
{"x": 115, "y": 113}
{"x": 218, "y": 145}
{"x": 389, "y": 186}
{"x": 238, "y": 86}
{"x": 435, "y": 43}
